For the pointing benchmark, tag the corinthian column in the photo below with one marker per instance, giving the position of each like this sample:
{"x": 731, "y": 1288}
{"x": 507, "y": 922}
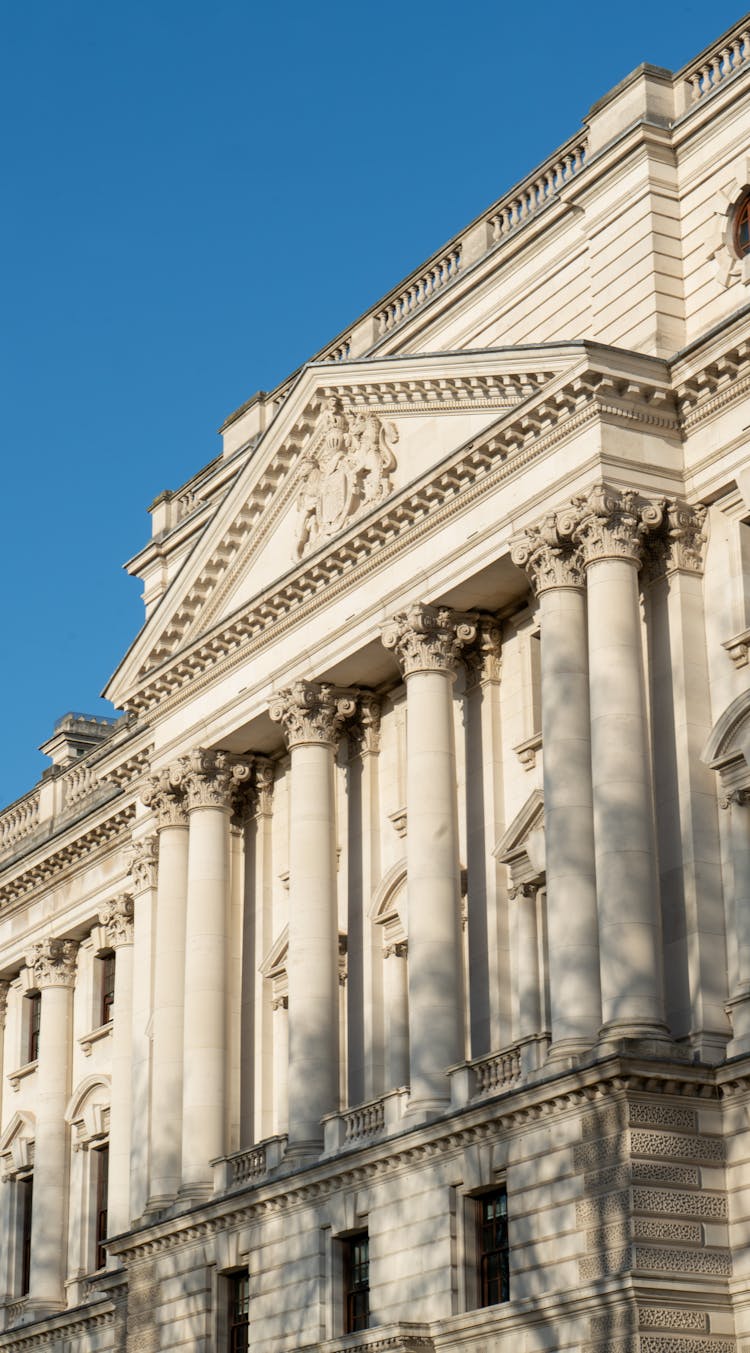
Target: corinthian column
{"x": 117, "y": 919}
{"x": 53, "y": 966}
{"x": 427, "y": 643}
{"x": 556, "y": 575}
{"x": 609, "y": 526}
{"x": 209, "y": 780}
{"x": 167, "y": 802}
{"x": 312, "y": 715}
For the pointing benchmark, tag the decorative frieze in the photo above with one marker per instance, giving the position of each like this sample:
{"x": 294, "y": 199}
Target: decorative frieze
{"x": 143, "y": 862}
{"x": 116, "y": 916}
{"x": 313, "y": 711}
{"x": 53, "y": 963}
{"x": 661, "y": 1202}
{"x": 429, "y": 638}
{"x": 671, "y": 1318}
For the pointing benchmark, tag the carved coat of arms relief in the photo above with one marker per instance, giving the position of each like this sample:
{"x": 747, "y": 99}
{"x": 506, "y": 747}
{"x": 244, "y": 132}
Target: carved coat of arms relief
{"x": 346, "y": 468}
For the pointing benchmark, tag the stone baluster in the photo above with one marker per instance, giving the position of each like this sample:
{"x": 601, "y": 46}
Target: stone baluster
{"x": 167, "y": 801}
{"x": 116, "y": 917}
{"x": 210, "y": 781}
{"x": 427, "y": 642}
{"x": 609, "y": 526}
{"x": 556, "y": 575}
{"x": 52, "y": 965}
{"x": 142, "y": 868}
{"x": 738, "y": 1006}
{"x": 312, "y": 716}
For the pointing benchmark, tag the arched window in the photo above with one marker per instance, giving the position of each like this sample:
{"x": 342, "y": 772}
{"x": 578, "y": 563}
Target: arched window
{"x": 741, "y": 226}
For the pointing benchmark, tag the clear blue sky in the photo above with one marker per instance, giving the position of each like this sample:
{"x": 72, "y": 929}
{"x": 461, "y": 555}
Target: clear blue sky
{"x": 197, "y": 196}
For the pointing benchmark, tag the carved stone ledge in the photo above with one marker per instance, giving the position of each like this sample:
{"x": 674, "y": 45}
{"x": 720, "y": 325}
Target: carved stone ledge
{"x": 399, "y": 820}
{"x": 313, "y": 712}
{"x": 429, "y": 638}
{"x": 738, "y": 648}
{"x": 526, "y": 751}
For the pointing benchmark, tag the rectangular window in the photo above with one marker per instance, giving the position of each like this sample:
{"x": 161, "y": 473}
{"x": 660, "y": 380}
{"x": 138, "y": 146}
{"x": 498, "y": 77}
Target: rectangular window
{"x": 492, "y": 1225}
{"x": 107, "y": 974}
{"x": 101, "y": 1190}
{"x": 239, "y": 1311}
{"x": 25, "y": 1189}
{"x": 356, "y": 1254}
{"x": 34, "y": 1019}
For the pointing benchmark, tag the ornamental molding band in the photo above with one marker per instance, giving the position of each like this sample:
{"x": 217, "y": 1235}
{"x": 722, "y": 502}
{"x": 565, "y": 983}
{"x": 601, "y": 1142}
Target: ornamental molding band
{"x": 427, "y": 638}
{"x": 548, "y": 559}
{"x": 116, "y": 916}
{"x": 143, "y": 862}
{"x": 610, "y": 523}
{"x": 313, "y": 712}
{"x": 52, "y": 963}
{"x": 345, "y": 469}
{"x": 210, "y": 779}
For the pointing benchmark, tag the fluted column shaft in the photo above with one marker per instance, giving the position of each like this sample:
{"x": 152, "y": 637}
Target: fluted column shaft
{"x": 556, "y": 573}
{"x": 53, "y": 965}
{"x": 168, "y": 803}
{"x": 427, "y": 642}
{"x": 312, "y": 715}
{"x": 609, "y": 527}
{"x": 117, "y": 920}
{"x": 209, "y": 780}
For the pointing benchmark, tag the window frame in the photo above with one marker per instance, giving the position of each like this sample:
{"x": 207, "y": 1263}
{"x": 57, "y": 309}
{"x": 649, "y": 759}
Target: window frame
{"x": 107, "y": 975}
{"x": 486, "y": 1253}
{"x": 740, "y": 218}
{"x": 24, "y": 1212}
{"x": 235, "y": 1337}
{"x": 100, "y": 1195}
{"x": 32, "y": 1026}
{"x": 353, "y": 1288}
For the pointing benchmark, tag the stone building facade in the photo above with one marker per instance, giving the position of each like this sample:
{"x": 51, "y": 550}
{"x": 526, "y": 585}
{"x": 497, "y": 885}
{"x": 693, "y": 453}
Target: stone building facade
{"x": 380, "y": 978}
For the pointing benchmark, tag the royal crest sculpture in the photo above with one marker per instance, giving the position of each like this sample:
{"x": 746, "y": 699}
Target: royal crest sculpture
{"x": 347, "y": 467}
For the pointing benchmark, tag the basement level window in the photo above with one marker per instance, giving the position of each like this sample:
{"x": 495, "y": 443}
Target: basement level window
{"x": 741, "y": 232}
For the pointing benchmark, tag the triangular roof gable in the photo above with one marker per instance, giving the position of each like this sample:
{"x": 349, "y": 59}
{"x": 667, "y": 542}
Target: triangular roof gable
{"x": 498, "y": 380}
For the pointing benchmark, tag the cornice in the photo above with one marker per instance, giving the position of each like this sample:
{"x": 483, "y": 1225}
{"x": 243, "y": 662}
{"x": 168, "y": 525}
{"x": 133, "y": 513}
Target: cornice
{"x": 420, "y": 509}
{"x": 60, "y": 1325}
{"x": 83, "y": 848}
{"x": 722, "y": 381}
{"x": 516, "y": 1109}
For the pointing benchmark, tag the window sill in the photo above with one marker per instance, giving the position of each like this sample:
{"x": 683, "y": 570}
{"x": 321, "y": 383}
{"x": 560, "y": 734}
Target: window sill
{"x": 87, "y": 1041}
{"x": 15, "y": 1077}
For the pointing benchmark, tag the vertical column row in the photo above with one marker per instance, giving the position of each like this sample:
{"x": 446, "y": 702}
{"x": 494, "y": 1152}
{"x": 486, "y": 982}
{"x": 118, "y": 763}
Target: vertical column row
{"x": 117, "y": 919}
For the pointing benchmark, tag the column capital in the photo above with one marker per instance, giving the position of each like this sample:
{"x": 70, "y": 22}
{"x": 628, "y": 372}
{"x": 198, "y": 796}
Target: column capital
{"x": 4, "y": 989}
{"x": 312, "y": 712}
{"x": 210, "y": 779}
{"x": 678, "y": 547}
{"x": 737, "y": 798}
{"x": 548, "y": 559}
{"x": 53, "y": 962}
{"x": 116, "y": 916}
{"x": 364, "y": 731}
{"x": 610, "y": 523}
{"x": 164, "y": 795}
{"x": 143, "y": 862}
{"x": 429, "y": 638}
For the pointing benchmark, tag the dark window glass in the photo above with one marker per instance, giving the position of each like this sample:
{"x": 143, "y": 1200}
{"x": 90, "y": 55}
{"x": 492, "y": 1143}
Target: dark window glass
{"x": 239, "y": 1312}
{"x": 25, "y": 1198}
{"x": 356, "y": 1282}
{"x": 493, "y": 1247}
{"x": 742, "y": 227}
{"x": 108, "y": 988}
{"x": 101, "y": 1186}
{"x": 35, "y": 1018}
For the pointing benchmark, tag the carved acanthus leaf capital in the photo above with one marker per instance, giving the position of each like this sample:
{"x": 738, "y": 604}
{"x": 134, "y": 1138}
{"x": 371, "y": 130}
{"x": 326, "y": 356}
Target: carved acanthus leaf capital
{"x": 483, "y": 658}
{"x": 143, "y": 862}
{"x": 429, "y": 638}
{"x": 735, "y": 797}
{"x": 398, "y": 949}
{"x": 116, "y": 917}
{"x": 313, "y": 711}
{"x": 163, "y": 793}
{"x": 609, "y": 523}
{"x": 4, "y": 989}
{"x": 678, "y": 547}
{"x": 364, "y": 731}
{"x": 548, "y": 558}
{"x": 53, "y": 963}
{"x": 210, "y": 779}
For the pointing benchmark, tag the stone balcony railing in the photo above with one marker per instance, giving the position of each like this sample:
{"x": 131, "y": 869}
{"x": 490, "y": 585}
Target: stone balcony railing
{"x": 714, "y": 66}
{"x": 19, "y": 821}
{"x": 497, "y": 1071}
{"x": 365, "y": 1123}
{"x": 248, "y": 1167}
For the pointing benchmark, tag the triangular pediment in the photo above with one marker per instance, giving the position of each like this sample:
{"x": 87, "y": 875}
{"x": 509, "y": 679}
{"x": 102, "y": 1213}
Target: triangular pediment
{"x": 521, "y": 847}
{"x": 350, "y": 439}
